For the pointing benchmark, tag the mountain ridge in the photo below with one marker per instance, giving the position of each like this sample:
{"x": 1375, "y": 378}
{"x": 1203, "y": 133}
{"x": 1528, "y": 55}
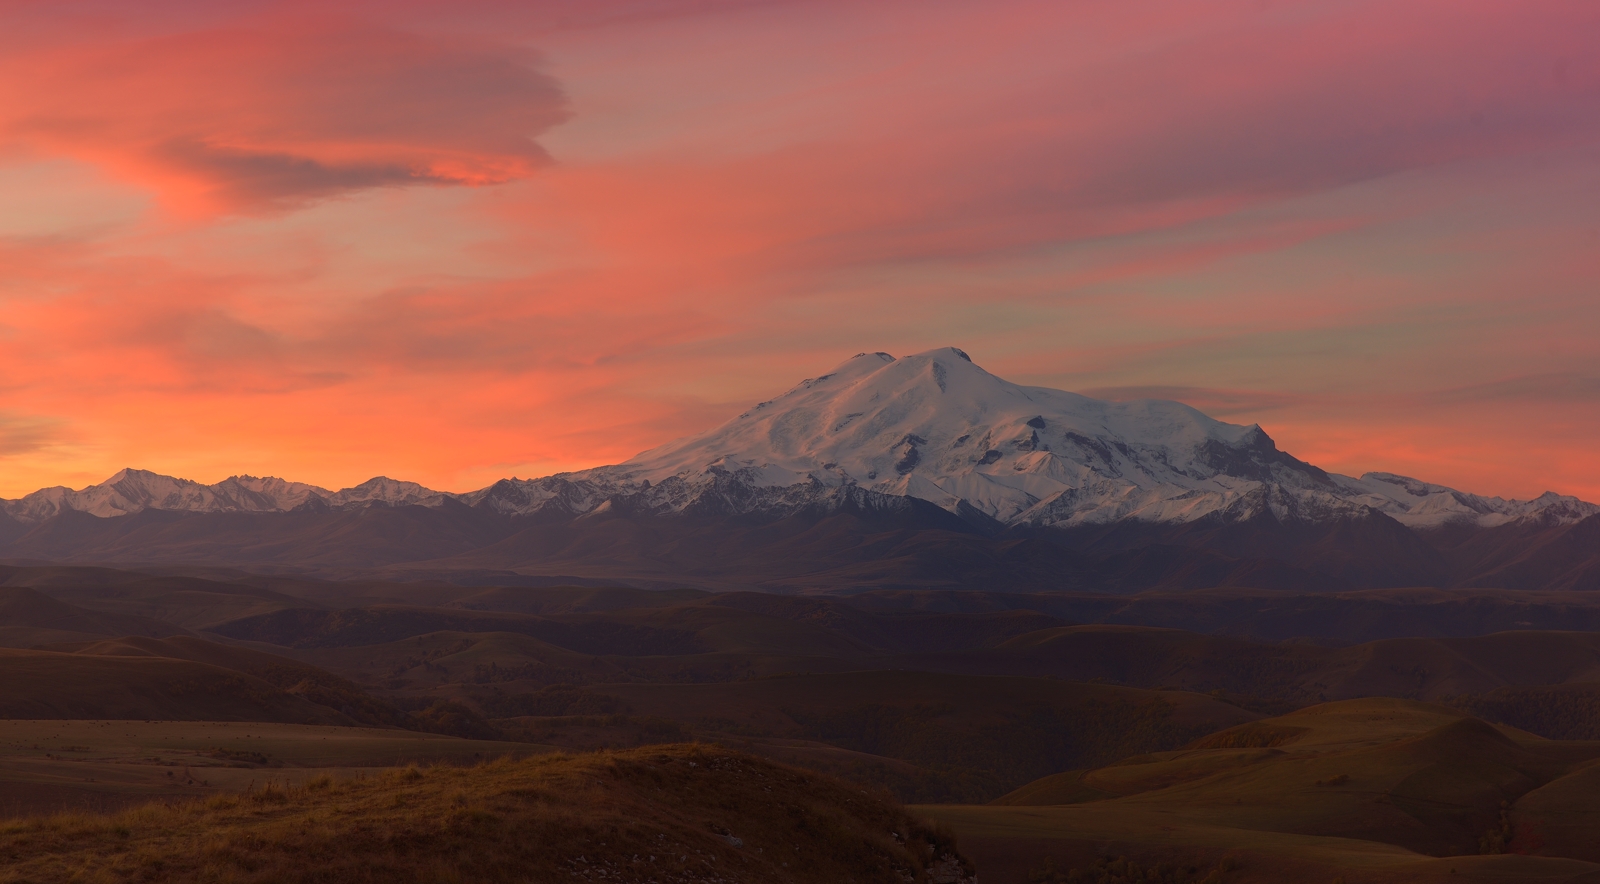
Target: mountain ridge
{"x": 879, "y": 433}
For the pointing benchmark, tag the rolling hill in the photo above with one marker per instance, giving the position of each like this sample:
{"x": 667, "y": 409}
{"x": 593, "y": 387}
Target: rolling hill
{"x": 49, "y": 684}
{"x": 670, "y": 814}
{"x": 29, "y": 617}
{"x": 1372, "y": 789}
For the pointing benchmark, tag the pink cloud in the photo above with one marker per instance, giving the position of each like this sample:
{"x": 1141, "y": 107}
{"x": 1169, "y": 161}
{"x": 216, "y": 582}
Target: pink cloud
{"x": 275, "y": 112}
{"x": 1261, "y": 208}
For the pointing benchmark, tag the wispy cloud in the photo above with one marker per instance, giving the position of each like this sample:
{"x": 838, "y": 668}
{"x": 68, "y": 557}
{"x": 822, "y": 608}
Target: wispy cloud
{"x": 1217, "y": 403}
{"x": 273, "y": 112}
{"x": 22, "y": 434}
{"x": 1566, "y": 387}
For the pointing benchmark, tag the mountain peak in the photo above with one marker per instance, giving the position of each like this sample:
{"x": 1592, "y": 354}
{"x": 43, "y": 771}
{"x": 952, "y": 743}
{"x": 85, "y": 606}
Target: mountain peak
{"x": 938, "y": 352}
{"x": 937, "y": 426}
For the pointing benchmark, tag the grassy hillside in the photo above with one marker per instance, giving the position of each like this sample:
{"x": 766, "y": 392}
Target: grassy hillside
{"x": 668, "y": 814}
{"x": 966, "y": 738}
{"x": 1373, "y": 786}
{"x": 180, "y": 600}
{"x": 1560, "y": 712}
{"x": 50, "y": 766}
{"x": 29, "y": 617}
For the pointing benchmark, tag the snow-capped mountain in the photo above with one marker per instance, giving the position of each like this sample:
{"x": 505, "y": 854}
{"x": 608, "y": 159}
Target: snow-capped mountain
{"x": 882, "y": 433}
{"x": 131, "y": 491}
{"x": 1425, "y": 505}
{"x": 937, "y": 427}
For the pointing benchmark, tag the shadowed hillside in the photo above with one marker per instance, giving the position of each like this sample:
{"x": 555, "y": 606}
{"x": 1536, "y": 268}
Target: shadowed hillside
{"x": 47, "y": 684}
{"x": 914, "y": 545}
{"x": 29, "y": 617}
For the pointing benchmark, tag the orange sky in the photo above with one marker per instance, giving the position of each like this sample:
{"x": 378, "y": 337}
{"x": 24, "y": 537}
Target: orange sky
{"x": 455, "y": 242}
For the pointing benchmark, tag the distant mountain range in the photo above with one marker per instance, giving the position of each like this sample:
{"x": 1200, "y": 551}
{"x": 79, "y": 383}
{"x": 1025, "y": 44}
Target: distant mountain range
{"x": 869, "y": 475}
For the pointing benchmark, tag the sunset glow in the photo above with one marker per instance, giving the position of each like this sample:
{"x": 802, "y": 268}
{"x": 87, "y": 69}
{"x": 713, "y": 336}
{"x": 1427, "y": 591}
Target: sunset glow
{"x": 451, "y": 243}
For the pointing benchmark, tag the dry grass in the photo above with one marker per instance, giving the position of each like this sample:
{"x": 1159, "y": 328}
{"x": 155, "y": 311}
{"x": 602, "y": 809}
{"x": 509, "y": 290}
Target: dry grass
{"x": 1249, "y": 736}
{"x": 666, "y": 814}
{"x": 1375, "y": 790}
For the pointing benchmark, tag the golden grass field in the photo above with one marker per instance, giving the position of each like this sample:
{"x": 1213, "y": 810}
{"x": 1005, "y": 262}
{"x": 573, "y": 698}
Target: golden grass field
{"x": 1374, "y": 790}
{"x": 52, "y": 766}
{"x": 668, "y": 814}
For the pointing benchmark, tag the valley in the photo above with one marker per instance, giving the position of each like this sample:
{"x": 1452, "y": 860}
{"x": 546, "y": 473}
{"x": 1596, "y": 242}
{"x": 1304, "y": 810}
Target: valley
{"x": 1050, "y": 731}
